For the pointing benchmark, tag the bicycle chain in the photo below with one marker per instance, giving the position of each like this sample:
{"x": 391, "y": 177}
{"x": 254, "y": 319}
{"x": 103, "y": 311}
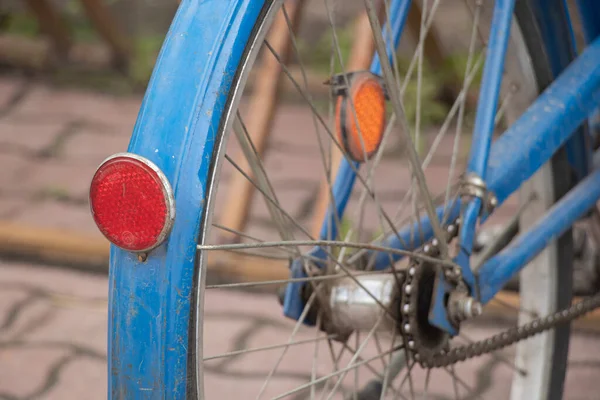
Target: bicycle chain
{"x": 429, "y": 357}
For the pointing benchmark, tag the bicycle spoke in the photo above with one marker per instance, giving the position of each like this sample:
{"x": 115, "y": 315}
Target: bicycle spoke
{"x": 269, "y": 198}
{"x": 444, "y": 128}
{"x": 291, "y": 280}
{"x": 380, "y": 211}
{"x": 407, "y": 377}
{"x": 462, "y": 383}
{"x": 257, "y": 167}
{"x": 271, "y": 347}
{"x": 313, "y": 371}
{"x": 333, "y": 243}
{"x": 330, "y": 133}
{"x": 461, "y": 110}
{"x": 396, "y": 363}
{"x": 401, "y": 118}
{"x": 297, "y": 326}
{"x": 356, "y": 375}
{"x": 356, "y": 364}
{"x": 454, "y": 385}
{"x": 426, "y": 386}
{"x": 325, "y": 159}
{"x": 355, "y": 356}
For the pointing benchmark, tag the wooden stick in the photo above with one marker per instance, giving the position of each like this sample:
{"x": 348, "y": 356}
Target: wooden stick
{"x": 262, "y": 108}
{"x": 91, "y": 253}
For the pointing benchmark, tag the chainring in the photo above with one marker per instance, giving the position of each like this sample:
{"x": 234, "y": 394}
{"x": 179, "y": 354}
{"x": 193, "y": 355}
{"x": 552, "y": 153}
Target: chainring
{"x": 429, "y": 345}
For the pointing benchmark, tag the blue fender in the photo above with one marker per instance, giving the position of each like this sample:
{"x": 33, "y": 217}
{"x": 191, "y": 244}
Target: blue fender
{"x": 151, "y": 343}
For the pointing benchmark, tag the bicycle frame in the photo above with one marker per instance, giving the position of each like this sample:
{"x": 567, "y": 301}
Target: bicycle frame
{"x": 550, "y": 123}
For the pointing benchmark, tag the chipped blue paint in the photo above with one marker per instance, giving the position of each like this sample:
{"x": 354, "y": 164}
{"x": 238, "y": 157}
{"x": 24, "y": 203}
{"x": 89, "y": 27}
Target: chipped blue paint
{"x": 150, "y": 302}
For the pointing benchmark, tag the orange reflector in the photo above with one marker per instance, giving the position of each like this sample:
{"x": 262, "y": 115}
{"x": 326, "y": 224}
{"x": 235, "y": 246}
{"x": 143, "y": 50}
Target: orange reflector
{"x": 360, "y": 132}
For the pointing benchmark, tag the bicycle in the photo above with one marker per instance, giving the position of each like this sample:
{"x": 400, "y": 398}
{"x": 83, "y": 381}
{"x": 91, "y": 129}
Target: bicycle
{"x": 415, "y": 282}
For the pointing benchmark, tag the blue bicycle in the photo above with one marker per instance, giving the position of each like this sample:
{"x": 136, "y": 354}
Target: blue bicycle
{"x": 382, "y": 302}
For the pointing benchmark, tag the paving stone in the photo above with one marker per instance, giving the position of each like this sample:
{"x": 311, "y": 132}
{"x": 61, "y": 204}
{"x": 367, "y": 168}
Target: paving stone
{"x": 27, "y": 316}
{"x": 46, "y": 102}
{"x": 29, "y": 135}
{"x": 10, "y": 206}
{"x": 233, "y": 321}
{"x": 58, "y": 179}
{"x": 93, "y": 148}
{"x": 9, "y": 87}
{"x": 25, "y": 368}
{"x": 12, "y": 168}
{"x": 68, "y": 282}
{"x": 81, "y": 319}
{"x": 59, "y": 215}
{"x": 82, "y": 378}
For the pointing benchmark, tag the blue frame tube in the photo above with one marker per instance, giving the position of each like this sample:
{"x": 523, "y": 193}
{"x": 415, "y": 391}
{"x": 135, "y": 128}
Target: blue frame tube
{"x": 497, "y": 271}
{"x": 346, "y": 175}
{"x": 490, "y": 89}
{"x": 532, "y": 140}
{"x": 398, "y": 12}
{"x": 589, "y": 14}
{"x": 342, "y": 189}
{"x": 484, "y": 125}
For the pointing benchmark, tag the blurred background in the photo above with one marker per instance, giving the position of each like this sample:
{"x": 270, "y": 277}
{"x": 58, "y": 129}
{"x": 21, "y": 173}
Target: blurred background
{"x": 72, "y": 78}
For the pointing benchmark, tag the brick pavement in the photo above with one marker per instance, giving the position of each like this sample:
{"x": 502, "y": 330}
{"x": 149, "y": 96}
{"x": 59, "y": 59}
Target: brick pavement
{"x": 52, "y": 321}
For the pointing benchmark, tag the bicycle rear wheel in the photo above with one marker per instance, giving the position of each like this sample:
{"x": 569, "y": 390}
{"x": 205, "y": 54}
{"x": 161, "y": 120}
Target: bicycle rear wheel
{"x": 158, "y": 306}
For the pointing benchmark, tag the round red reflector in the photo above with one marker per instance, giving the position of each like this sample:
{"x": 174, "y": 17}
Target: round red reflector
{"x": 132, "y": 202}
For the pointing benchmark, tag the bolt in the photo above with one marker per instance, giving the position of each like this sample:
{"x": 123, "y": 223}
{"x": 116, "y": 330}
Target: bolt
{"x": 470, "y": 307}
{"x": 476, "y": 308}
{"x": 406, "y": 308}
{"x": 463, "y": 307}
{"x": 493, "y": 201}
{"x": 457, "y": 271}
{"x": 412, "y": 271}
{"x": 142, "y": 257}
{"x": 406, "y": 328}
{"x": 408, "y": 289}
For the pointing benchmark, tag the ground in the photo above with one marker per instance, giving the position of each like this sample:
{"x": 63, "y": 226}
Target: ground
{"x": 53, "y": 319}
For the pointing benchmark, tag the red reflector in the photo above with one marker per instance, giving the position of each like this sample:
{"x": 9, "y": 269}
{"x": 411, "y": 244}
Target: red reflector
{"x": 132, "y": 202}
